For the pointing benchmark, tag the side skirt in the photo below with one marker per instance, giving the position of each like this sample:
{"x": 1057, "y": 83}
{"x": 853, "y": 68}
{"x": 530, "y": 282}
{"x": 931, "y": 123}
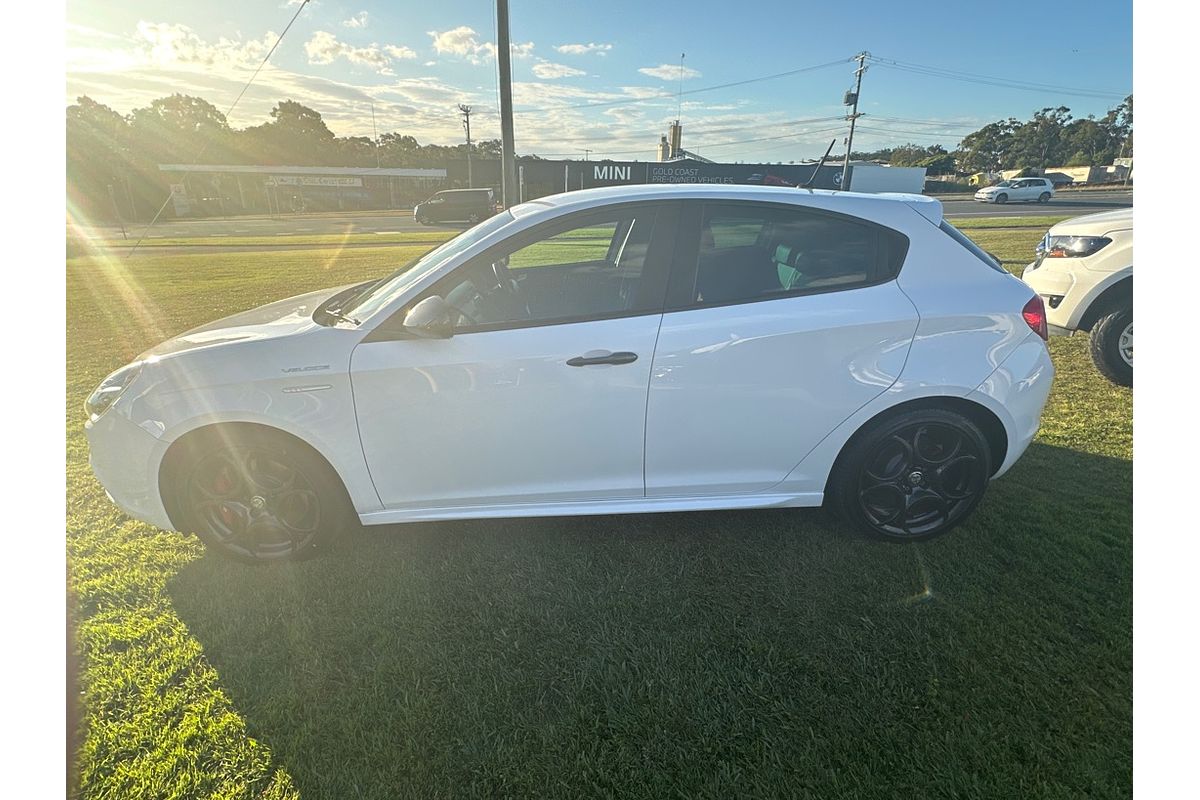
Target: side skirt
{"x": 640, "y": 505}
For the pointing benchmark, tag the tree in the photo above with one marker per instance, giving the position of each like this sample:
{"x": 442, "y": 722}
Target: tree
{"x": 97, "y": 140}
{"x": 988, "y": 148}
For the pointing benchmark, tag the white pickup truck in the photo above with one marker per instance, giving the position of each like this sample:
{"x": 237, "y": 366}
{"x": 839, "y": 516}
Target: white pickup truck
{"x": 1084, "y": 273}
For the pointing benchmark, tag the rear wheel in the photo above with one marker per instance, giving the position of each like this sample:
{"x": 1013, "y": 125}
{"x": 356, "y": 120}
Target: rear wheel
{"x": 1001, "y": 198}
{"x": 259, "y": 497}
{"x": 912, "y": 476}
{"x": 474, "y": 219}
{"x": 1112, "y": 345}
{"x": 1044, "y": 197}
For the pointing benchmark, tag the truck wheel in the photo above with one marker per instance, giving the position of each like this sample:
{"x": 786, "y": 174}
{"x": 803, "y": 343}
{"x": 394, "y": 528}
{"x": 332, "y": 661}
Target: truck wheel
{"x": 1112, "y": 345}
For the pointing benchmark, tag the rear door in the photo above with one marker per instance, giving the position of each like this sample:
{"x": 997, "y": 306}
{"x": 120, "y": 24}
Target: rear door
{"x": 781, "y": 321}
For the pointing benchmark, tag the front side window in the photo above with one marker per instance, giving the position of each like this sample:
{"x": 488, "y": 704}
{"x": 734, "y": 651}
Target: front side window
{"x": 593, "y": 267}
{"x": 752, "y": 253}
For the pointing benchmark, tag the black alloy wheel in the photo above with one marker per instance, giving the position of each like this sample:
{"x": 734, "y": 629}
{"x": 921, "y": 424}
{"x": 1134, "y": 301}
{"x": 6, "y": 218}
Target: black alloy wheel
{"x": 260, "y": 499}
{"x": 913, "y": 476}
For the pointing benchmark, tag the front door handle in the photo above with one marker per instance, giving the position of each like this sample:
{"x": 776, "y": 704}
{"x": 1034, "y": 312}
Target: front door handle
{"x": 602, "y": 357}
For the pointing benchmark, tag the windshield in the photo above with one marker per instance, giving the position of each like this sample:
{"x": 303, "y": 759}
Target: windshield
{"x": 1004, "y": 183}
{"x": 388, "y": 288}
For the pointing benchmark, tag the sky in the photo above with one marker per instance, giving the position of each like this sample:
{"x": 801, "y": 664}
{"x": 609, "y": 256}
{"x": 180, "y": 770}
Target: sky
{"x": 605, "y": 77}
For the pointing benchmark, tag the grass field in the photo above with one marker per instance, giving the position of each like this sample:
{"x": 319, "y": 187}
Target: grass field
{"x": 752, "y": 654}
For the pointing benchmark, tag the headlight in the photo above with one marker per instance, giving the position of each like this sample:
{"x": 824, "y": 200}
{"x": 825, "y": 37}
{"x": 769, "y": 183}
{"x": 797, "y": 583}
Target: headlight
{"x": 1072, "y": 246}
{"x": 110, "y": 389}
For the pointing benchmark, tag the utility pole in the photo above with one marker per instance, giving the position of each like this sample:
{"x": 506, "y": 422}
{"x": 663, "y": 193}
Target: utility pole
{"x": 466, "y": 112}
{"x": 852, "y": 99}
{"x": 586, "y": 154}
{"x": 504, "y": 64}
{"x": 375, "y": 131}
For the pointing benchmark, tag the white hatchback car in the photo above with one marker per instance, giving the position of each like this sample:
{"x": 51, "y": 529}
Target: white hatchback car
{"x": 1018, "y": 190}
{"x": 630, "y": 349}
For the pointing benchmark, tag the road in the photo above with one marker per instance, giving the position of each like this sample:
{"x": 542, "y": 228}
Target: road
{"x": 1073, "y": 203}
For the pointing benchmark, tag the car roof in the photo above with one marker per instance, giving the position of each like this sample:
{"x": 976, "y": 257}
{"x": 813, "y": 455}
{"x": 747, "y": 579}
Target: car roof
{"x": 928, "y": 207}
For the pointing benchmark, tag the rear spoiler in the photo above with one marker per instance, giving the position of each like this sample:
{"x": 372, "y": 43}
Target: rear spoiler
{"x": 928, "y": 207}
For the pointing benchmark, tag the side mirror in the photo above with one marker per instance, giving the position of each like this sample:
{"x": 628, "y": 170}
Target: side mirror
{"x": 432, "y": 318}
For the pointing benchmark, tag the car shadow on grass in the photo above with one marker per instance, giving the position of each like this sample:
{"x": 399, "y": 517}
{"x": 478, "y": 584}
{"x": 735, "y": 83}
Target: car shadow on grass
{"x": 701, "y": 654}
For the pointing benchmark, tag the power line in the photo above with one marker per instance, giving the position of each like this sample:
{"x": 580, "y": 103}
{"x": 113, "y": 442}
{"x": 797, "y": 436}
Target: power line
{"x": 989, "y": 80}
{"x": 636, "y": 101}
{"x": 229, "y": 111}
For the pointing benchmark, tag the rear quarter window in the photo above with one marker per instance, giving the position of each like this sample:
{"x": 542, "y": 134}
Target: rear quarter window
{"x": 964, "y": 240}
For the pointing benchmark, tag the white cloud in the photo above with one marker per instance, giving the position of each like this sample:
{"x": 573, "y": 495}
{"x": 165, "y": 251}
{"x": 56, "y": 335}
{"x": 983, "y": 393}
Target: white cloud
{"x": 464, "y": 42}
{"x": 165, "y": 43}
{"x": 359, "y": 20}
{"x": 549, "y": 70}
{"x": 669, "y": 72}
{"x": 584, "y": 49}
{"x": 325, "y": 48}
{"x": 400, "y": 51}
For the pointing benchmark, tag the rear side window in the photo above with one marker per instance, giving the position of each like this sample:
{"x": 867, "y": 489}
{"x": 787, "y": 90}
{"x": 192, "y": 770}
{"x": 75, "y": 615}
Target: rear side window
{"x": 960, "y": 237}
{"x": 749, "y": 252}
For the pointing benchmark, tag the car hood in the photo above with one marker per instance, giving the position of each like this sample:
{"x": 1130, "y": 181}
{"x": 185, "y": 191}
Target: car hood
{"x": 274, "y": 320}
{"x": 1096, "y": 224}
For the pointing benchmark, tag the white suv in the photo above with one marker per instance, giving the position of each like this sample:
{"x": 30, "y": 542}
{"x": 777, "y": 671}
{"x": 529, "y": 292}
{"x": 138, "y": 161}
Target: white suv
{"x": 1018, "y": 190}
{"x": 1084, "y": 272}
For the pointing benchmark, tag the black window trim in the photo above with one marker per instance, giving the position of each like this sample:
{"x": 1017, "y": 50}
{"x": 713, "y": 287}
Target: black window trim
{"x": 658, "y": 264}
{"x": 685, "y": 265}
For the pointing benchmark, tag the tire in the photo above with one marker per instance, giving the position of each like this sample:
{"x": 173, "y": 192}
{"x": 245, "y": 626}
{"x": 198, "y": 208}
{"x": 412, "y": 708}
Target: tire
{"x": 1001, "y": 199}
{"x": 474, "y": 219}
{"x": 1044, "y": 197}
{"x": 422, "y": 221}
{"x": 259, "y": 497}
{"x": 1112, "y": 345}
{"x": 911, "y": 476}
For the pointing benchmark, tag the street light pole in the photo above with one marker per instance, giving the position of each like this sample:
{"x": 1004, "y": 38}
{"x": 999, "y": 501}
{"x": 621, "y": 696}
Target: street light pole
{"x": 466, "y": 112}
{"x": 504, "y": 64}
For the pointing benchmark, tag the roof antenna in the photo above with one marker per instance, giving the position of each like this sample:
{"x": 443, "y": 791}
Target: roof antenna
{"x": 808, "y": 183}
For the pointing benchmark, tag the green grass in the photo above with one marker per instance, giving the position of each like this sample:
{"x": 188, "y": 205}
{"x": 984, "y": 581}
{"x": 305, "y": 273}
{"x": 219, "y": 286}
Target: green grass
{"x": 754, "y": 654}
{"x": 121, "y": 246}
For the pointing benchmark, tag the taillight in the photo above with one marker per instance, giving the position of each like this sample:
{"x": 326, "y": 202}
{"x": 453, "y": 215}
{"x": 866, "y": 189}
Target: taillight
{"x": 1034, "y": 313}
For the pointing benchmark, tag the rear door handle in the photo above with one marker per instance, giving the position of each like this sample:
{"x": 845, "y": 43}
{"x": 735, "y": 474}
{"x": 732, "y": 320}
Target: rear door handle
{"x": 602, "y": 357}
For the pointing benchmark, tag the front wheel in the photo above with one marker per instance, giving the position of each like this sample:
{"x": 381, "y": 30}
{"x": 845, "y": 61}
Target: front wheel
{"x": 911, "y": 476}
{"x": 1044, "y": 197}
{"x": 474, "y": 219}
{"x": 1001, "y": 198}
{"x": 260, "y": 498}
{"x": 1112, "y": 345}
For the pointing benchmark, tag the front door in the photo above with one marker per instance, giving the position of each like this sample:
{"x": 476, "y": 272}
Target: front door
{"x": 540, "y": 394}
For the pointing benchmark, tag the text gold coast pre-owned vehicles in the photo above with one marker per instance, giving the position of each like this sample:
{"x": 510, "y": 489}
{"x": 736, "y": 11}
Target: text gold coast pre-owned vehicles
{"x": 634, "y": 349}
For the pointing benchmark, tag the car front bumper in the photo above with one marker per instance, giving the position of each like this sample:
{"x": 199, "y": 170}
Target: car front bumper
{"x": 125, "y": 459}
{"x": 1054, "y": 283}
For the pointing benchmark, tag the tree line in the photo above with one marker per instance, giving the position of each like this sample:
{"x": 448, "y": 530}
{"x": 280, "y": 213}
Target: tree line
{"x": 112, "y": 159}
{"x": 1052, "y": 138}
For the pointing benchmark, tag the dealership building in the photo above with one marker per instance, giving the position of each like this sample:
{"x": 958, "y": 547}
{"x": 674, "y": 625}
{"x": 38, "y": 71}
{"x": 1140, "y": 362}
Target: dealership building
{"x": 210, "y": 190}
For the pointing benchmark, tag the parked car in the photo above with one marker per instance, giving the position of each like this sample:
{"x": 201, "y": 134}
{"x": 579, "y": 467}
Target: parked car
{"x": 1084, "y": 272}
{"x": 1018, "y": 190}
{"x": 457, "y": 205}
{"x": 616, "y": 350}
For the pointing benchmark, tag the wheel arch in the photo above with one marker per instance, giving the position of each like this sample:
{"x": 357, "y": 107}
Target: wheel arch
{"x": 994, "y": 432}
{"x": 1116, "y": 293}
{"x": 181, "y": 448}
